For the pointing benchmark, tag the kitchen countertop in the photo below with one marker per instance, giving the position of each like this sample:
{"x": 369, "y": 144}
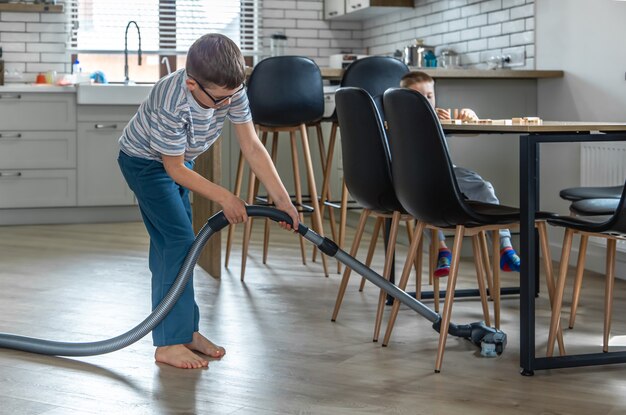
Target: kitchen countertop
{"x": 36, "y": 88}
{"x": 336, "y": 73}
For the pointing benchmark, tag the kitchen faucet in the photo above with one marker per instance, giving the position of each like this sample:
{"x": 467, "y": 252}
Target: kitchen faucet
{"x": 166, "y": 61}
{"x": 126, "y": 79}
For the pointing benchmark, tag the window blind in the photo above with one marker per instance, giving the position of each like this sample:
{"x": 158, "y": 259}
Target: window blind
{"x": 167, "y": 26}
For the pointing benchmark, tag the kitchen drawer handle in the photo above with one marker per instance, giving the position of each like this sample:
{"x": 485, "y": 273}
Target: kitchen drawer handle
{"x": 11, "y": 174}
{"x": 101, "y": 126}
{"x": 10, "y": 96}
{"x": 16, "y": 135}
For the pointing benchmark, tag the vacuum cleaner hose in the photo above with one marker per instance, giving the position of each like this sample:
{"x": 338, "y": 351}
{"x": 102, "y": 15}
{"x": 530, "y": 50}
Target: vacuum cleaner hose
{"x": 215, "y": 224}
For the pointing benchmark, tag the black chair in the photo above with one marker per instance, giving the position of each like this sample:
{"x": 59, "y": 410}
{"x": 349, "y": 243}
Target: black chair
{"x": 367, "y": 175}
{"x": 425, "y": 184}
{"x": 574, "y": 194}
{"x": 285, "y": 94}
{"x": 374, "y": 74}
{"x": 593, "y": 210}
{"x": 611, "y": 229}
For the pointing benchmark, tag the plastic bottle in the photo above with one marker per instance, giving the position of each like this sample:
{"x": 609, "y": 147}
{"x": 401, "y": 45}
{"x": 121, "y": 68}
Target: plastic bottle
{"x": 76, "y": 67}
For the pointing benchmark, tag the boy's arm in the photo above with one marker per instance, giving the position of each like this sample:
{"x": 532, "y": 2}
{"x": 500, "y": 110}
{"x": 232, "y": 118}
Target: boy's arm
{"x": 261, "y": 164}
{"x": 234, "y": 208}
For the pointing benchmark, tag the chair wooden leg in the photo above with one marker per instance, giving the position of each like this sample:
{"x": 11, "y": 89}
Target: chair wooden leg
{"x": 389, "y": 258}
{"x": 231, "y": 228}
{"x": 434, "y": 248}
{"x": 317, "y": 219}
{"x": 297, "y": 185}
{"x": 611, "y": 246}
{"x": 343, "y": 219}
{"x": 480, "y": 276}
{"x": 417, "y": 262}
{"x": 266, "y": 234}
{"x": 447, "y": 305}
{"x": 372, "y": 248}
{"x": 404, "y": 279}
{"x": 558, "y": 290}
{"x": 578, "y": 281}
{"x": 496, "y": 277}
{"x": 353, "y": 252}
{"x": 547, "y": 261}
{"x": 486, "y": 263}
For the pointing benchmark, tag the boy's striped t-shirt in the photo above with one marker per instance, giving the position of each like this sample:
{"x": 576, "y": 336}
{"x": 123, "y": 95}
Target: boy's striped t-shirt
{"x": 171, "y": 122}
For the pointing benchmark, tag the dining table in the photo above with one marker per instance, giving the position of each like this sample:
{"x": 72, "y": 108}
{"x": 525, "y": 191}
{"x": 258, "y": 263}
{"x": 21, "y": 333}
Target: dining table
{"x": 531, "y": 136}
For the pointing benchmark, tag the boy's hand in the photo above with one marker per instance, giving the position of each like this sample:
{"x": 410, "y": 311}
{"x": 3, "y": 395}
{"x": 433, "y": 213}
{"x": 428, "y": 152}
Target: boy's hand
{"x": 234, "y": 209}
{"x": 468, "y": 115}
{"x": 291, "y": 210}
{"x": 443, "y": 114}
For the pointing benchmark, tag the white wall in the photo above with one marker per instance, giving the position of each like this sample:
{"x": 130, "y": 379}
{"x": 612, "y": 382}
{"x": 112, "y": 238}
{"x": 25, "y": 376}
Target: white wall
{"x": 586, "y": 39}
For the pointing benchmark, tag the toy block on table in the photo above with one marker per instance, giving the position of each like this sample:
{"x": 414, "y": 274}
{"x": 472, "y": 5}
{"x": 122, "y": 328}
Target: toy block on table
{"x": 451, "y": 122}
{"x": 527, "y": 120}
{"x": 485, "y": 121}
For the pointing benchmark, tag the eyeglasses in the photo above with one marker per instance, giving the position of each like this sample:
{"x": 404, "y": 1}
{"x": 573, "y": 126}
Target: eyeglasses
{"x": 217, "y": 101}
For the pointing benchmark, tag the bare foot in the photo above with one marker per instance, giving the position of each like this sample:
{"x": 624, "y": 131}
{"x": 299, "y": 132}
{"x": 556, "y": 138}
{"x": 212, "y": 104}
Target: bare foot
{"x": 205, "y": 346}
{"x": 179, "y": 356}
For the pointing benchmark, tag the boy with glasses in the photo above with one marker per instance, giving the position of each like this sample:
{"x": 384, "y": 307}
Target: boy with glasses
{"x": 181, "y": 119}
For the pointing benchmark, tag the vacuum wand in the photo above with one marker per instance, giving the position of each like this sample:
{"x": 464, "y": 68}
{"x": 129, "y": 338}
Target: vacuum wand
{"x": 491, "y": 340}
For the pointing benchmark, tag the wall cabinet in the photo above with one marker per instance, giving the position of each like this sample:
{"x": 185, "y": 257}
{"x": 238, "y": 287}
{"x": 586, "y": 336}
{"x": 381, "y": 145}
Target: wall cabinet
{"x": 362, "y": 9}
{"x": 37, "y": 150}
{"x": 100, "y": 181}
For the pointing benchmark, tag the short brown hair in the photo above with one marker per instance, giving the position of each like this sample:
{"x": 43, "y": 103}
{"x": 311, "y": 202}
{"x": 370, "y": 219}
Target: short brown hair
{"x": 415, "y": 77}
{"x": 216, "y": 59}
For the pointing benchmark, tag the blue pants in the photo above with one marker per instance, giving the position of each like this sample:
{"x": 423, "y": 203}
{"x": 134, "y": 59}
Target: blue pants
{"x": 166, "y": 212}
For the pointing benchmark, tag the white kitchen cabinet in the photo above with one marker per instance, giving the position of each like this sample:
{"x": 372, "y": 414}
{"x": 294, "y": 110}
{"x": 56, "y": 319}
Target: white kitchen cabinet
{"x": 334, "y": 8}
{"x": 364, "y": 9}
{"x": 37, "y": 149}
{"x": 100, "y": 181}
{"x": 24, "y": 188}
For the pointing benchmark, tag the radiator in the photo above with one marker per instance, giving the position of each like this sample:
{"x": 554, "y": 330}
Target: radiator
{"x": 603, "y": 164}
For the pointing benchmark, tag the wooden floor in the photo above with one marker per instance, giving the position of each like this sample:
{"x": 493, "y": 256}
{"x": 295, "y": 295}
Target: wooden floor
{"x": 284, "y": 356}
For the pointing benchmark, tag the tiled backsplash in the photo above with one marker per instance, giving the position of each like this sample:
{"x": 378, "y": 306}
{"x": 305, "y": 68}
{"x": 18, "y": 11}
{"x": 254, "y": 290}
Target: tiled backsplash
{"x": 33, "y": 43}
{"x": 476, "y": 29}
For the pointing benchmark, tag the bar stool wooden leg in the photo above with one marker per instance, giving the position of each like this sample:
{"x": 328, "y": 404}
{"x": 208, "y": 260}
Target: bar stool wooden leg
{"x": 611, "y": 246}
{"x": 389, "y": 257}
{"x": 343, "y": 219}
{"x": 404, "y": 279}
{"x": 247, "y": 233}
{"x": 353, "y": 252}
{"x": 480, "y": 276}
{"x": 266, "y": 234}
{"x": 372, "y": 247}
{"x": 447, "y": 305}
{"x": 558, "y": 291}
{"x": 417, "y": 263}
{"x": 231, "y": 228}
{"x": 298, "y": 186}
{"x": 578, "y": 281}
{"x": 317, "y": 219}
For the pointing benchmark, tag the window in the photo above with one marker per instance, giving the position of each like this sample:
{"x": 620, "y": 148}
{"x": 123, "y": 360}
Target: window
{"x": 167, "y": 28}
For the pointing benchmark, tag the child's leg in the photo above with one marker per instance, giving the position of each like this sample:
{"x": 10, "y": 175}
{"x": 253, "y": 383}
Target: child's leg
{"x": 474, "y": 187}
{"x": 166, "y": 212}
{"x": 444, "y": 257}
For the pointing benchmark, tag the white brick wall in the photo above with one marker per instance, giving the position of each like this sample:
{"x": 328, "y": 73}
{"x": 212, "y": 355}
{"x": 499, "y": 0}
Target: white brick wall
{"x": 33, "y": 43}
{"x": 307, "y": 32}
{"x": 477, "y": 29}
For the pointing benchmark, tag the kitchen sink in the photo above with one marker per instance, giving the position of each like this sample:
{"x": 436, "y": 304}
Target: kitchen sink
{"x": 112, "y": 94}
